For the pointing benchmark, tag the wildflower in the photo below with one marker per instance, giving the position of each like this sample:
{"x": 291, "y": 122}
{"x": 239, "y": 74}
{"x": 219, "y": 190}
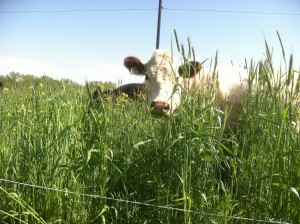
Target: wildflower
{"x": 29, "y": 111}
{"x": 122, "y": 99}
{"x": 124, "y": 95}
{"x": 5, "y": 89}
{"x": 41, "y": 84}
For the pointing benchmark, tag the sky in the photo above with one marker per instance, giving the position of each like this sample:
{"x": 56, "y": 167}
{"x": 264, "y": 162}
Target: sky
{"x": 87, "y": 40}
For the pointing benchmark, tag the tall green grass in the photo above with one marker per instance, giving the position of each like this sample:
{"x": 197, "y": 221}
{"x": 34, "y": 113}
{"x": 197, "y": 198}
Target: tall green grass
{"x": 57, "y": 138}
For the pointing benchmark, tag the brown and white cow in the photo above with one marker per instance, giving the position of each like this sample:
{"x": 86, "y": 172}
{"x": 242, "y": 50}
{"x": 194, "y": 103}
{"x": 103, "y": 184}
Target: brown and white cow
{"x": 163, "y": 77}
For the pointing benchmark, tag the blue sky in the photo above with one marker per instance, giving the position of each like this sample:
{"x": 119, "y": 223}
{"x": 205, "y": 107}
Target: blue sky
{"x": 88, "y": 39}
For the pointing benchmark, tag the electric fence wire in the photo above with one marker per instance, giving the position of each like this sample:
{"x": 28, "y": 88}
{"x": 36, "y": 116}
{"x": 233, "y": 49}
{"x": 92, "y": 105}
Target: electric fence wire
{"x": 149, "y": 9}
{"x": 141, "y": 203}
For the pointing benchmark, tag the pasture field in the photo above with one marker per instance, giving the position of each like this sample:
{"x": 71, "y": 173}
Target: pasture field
{"x": 113, "y": 163}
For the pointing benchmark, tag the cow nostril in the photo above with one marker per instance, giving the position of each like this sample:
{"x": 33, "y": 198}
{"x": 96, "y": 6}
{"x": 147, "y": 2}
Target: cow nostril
{"x": 167, "y": 107}
{"x": 152, "y": 105}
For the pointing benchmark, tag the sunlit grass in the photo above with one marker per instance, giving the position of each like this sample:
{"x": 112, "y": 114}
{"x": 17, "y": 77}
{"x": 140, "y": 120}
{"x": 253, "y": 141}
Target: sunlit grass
{"x": 55, "y": 137}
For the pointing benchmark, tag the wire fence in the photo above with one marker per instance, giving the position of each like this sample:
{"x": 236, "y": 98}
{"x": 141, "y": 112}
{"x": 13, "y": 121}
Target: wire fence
{"x": 152, "y": 9}
{"x": 141, "y": 203}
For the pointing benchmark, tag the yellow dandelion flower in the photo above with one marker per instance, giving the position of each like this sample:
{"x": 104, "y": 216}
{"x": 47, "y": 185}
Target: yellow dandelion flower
{"x": 41, "y": 84}
{"x": 29, "y": 111}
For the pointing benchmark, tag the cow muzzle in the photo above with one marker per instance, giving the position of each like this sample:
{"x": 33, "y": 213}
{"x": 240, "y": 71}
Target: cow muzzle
{"x": 159, "y": 108}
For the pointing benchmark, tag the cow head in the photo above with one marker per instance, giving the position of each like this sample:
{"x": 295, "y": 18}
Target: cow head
{"x": 161, "y": 80}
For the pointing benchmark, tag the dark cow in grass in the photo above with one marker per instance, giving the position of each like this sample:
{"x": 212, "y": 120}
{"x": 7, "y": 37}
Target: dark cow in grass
{"x": 132, "y": 90}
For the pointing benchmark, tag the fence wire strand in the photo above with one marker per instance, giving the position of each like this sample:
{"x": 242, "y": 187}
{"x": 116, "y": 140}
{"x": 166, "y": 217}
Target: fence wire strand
{"x": 140, "y": 203}
{"x": 152, "y": 9}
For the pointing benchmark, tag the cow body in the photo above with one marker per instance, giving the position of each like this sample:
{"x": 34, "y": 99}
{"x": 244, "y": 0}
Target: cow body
{"x": 165, "y": 81}
{"x": 131, "y": 90}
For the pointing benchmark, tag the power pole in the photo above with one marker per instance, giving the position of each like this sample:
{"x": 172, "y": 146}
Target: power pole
{"x": 158, "y": 24}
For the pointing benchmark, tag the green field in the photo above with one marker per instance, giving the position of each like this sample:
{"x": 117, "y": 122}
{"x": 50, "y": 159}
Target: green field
{"x": 112, "y": 163}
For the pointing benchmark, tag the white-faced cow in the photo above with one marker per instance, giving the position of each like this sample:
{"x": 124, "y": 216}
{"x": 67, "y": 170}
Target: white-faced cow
{"x": 162, "y": 77}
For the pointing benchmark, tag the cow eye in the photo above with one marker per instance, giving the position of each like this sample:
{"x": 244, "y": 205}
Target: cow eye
{"x": 146, "y": 77}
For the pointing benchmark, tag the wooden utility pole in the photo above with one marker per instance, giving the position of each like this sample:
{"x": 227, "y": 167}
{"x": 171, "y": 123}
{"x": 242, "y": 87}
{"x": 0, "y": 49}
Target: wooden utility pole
{"x": 158, "y": 24}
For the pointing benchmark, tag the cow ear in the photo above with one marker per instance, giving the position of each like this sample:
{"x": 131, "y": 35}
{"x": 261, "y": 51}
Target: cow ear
{"x": 134, "y": 65}
{"x": 189, "y": 69}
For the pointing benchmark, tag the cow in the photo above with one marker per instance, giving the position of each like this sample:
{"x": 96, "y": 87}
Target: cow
{"x": 165, "y": 81}
{"x": 132, "y": 90}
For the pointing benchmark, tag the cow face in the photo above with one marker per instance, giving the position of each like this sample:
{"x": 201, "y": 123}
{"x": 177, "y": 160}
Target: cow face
{"x": 161, "y": 80}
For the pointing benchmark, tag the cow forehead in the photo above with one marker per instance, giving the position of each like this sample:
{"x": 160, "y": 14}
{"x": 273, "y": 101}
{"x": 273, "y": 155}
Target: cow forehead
{"x": 162, "y": 62}
{"x": 160, "y": 57}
